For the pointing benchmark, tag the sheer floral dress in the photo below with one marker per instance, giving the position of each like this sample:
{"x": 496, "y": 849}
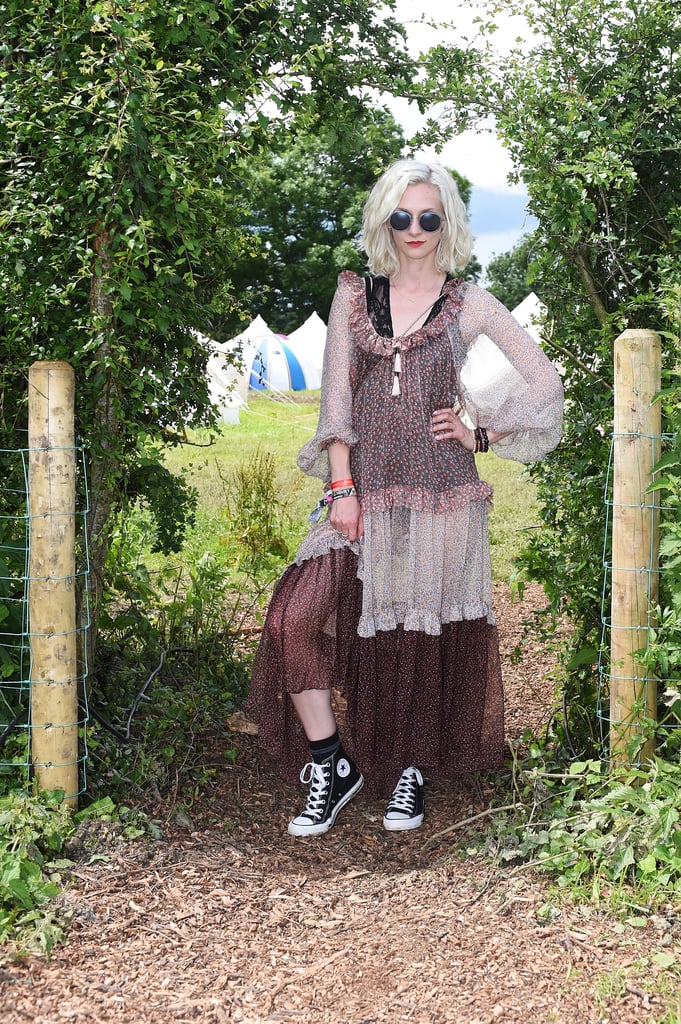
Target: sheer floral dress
{"x": 402, "y": 624}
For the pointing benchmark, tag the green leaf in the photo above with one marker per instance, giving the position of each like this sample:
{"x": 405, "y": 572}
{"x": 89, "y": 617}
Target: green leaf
{"x": 21, "y": 892}
{"x": 102, "y": 808}
{"x": 584, "y": 656}
{"x": 647, "y": 865}
{"x": 664, "y": 960}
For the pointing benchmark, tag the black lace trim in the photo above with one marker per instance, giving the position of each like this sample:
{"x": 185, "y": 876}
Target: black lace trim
{"x": 378, "y": 305}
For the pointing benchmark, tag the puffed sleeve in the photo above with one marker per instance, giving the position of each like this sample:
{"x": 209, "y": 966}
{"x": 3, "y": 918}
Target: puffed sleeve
{"x": 526, "y": 401}
{"x": 335, "y": 409}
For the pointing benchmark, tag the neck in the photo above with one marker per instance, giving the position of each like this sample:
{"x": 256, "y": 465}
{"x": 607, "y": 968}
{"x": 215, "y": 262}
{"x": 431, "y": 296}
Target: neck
{"x": 418, "y": 279}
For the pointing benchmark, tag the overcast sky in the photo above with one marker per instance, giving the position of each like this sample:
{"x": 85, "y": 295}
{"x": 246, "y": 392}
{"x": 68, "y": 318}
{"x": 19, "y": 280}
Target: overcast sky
{"x": 498, "y": 217}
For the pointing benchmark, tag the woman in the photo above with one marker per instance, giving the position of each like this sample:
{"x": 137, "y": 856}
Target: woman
{"x": 389, "y": 600}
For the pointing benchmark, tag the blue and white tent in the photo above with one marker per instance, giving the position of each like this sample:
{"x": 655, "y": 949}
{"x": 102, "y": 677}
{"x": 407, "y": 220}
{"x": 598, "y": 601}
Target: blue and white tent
{"x": 275, "y": 366}
{"x": 266, "y": 362}
{"x": 307, "y": 343}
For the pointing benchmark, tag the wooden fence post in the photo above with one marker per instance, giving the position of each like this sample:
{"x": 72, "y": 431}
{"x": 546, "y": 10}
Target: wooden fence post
{"x": 635, "y": 544}
{"x": 52, "y": 581}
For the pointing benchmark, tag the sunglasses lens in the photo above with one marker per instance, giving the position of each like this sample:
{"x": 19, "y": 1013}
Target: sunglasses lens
{"x": 430, "y": 221}
{"x": 400, "y": 220}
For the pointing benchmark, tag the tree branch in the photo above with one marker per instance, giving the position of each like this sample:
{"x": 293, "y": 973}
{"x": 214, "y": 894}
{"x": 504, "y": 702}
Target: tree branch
{"x": 593, "y": 294}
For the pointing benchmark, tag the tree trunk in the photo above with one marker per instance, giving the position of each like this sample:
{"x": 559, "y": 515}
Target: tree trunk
{"x": 103, "y": 461}
{"x": 592, "y": 291}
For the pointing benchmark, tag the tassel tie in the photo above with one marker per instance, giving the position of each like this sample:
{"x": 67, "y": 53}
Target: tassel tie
{"x": 397, "y": 370}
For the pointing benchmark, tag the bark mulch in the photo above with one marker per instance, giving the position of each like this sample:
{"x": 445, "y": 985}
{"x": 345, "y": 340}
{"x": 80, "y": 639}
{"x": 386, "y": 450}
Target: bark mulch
{"x": 230, "y": 919}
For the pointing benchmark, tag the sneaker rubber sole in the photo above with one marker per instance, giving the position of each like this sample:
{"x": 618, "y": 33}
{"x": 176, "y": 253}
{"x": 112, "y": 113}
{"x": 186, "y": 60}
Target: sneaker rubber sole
{"x": 403, "y": 824}
{"x": 321, "y": 827}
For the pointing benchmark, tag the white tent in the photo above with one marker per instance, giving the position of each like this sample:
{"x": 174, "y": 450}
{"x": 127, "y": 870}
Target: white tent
{"x": 267, "y": 361}
{"x": 228, "y": 381}
{"x": 227, "y": 385}
{"x": 307, "y": 342}
{"x": 529, "y": 314}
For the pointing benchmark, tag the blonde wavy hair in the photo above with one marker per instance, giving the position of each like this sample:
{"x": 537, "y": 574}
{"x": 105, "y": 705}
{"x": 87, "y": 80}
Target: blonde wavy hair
{"x": 454, "y": 250}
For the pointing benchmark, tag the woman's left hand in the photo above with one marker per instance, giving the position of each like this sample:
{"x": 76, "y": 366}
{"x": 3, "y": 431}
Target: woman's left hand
{"x": 447, "y": 425}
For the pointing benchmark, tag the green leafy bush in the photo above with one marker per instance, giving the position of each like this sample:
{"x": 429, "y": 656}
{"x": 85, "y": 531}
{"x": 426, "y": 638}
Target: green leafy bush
{"x": 33, "y": 829}
{"x": 587, "y": 826}
{"x": 172, "y": 663}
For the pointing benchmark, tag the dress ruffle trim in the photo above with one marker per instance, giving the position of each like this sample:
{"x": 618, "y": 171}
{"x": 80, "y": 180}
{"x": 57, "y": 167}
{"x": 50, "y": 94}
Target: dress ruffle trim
{"x": 421, "y": 500}
{"x": 367, "y": 338}
{"x": 422, "y": 621}
{"x": 321, "y": 539}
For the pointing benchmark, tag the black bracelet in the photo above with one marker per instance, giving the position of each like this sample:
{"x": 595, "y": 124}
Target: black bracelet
{"x": 481, "y": 439}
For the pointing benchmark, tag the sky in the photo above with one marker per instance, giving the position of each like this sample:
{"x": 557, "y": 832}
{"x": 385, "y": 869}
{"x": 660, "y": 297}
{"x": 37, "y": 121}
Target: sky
{"x": 497, "y": 209}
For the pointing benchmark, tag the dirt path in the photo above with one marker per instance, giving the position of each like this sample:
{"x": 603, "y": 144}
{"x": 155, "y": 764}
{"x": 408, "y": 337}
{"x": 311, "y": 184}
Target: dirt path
{"x": 233, "y": 920}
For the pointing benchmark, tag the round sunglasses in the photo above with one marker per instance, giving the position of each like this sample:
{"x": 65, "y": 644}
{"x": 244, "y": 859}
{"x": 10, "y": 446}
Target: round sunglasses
{"x": 400, "y": 220}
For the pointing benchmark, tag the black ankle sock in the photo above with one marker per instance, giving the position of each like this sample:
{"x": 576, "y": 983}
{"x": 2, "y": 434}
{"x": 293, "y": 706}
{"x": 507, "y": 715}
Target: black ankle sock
{"x": 322, "y": 750}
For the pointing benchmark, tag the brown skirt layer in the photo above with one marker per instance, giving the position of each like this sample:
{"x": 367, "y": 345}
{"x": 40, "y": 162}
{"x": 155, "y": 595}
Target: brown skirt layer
{"x": 435, "y": 702}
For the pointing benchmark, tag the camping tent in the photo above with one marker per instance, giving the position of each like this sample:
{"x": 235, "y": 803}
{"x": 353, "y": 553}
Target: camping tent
{"x": 307, "y": 342}
{"x": 227, "y": 383}
{"x": 266, "y": 361}
{"x": 529, "y": 313}
{"x": 274, "y": 365}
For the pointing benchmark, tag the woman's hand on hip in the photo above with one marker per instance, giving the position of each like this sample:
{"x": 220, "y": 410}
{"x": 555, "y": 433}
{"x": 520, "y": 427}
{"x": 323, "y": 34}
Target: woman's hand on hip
{"x": 447, "y": 425}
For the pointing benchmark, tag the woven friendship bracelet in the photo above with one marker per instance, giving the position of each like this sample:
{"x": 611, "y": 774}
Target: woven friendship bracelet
{"x": 329, "y": 497}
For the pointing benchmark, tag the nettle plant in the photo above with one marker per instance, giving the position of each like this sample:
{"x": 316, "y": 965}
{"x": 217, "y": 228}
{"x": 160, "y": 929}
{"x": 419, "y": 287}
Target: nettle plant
{"x": 662, "y": 655}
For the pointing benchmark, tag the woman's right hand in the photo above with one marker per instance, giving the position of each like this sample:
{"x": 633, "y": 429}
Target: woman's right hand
{"x": 345, "y": 515}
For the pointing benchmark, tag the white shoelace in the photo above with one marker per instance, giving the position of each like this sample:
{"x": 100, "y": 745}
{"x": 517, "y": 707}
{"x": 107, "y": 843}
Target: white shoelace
{"x": 404, "y": 794}
{"x": 313, "y": 774}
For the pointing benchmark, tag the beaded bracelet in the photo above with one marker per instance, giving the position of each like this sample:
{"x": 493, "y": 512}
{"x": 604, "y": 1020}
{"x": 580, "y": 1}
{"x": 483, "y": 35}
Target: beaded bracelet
{"x": 481, "y": 439}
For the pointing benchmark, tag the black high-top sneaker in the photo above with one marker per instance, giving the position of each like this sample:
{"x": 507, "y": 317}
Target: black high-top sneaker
{"x": 405, "y": 808}
{"x": 333, "y": 783}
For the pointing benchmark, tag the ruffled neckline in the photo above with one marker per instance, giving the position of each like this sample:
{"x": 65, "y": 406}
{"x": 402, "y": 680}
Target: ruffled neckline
{"x": 368, "y": 338}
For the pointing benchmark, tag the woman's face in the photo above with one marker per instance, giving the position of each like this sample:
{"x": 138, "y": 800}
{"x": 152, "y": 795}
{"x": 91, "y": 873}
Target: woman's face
{"x": 414, "y": 243}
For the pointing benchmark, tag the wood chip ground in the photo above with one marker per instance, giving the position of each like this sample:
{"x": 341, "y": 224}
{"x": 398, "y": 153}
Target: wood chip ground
{"x": 231, "y": 919}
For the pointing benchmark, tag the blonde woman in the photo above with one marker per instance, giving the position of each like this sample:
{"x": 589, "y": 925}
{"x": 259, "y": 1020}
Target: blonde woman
{"x": 389, "y": 600}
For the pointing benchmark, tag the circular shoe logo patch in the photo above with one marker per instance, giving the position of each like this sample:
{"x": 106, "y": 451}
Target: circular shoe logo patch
{"x": 343, "y": 768}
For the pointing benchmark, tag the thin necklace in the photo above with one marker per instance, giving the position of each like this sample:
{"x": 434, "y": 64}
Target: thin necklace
{"x": 397, "y": 350}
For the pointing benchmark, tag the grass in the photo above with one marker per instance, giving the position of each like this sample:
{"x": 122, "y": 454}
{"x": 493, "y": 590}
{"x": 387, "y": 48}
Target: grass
{"x": 270, "y": 425}
{"x": 514, "y": 514}
{"x": 280, "y": 427}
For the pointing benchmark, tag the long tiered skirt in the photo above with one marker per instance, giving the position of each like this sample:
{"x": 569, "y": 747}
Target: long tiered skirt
{"x": 408, "y": 698}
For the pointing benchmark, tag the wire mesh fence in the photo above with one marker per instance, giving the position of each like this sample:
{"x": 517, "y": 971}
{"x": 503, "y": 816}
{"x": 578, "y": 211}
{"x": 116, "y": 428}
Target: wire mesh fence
{"x": 647, "y": 679}
{"x": 17, "y": 669}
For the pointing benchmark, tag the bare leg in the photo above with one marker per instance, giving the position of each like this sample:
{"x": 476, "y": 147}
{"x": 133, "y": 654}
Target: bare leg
{"x": 315, "y": 713}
